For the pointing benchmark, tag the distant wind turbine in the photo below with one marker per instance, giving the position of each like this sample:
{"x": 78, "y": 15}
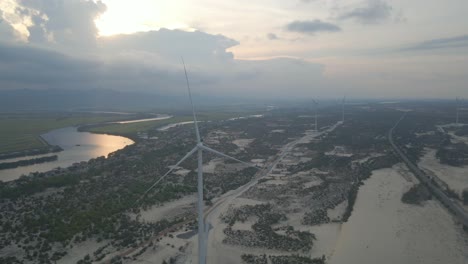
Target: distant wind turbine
{"x": 315, "y": 110}
{"x": 199, "y": 148}
{"x": 458, "y": 110}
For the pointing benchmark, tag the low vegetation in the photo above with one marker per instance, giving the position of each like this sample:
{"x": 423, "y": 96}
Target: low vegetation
{"x": 416, "y": 195}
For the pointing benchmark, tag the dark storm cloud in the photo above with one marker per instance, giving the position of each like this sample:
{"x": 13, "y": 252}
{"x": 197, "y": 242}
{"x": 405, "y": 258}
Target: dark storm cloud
{"x": 441, "y": 43}
{"x": 368, "y": 12}
{"x": 312, "y": 26}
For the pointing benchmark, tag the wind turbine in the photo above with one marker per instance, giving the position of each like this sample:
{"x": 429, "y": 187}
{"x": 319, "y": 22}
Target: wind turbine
{"x": 199, "y": 148}
{"x": 315, "y": 110}
{"x": 342, "y": 109}
{"x": 458, "y": 110}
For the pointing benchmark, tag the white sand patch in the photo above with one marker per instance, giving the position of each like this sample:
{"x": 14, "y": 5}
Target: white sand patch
{"x": 455, "y": 177}
{"x": 210, "y": 167}
{"x": 167, "y": 127}
{"x": 372, "y": 155}
{"x": 276, "y": 182}
{"x": 339, "y": 151}
{"x": 327, "y": 236}
{"x": 320, "y": 172}
{"x": 170, "y": 247}
{"x": 458, "y": 139}
{"x": 242, "y": 142}
{"x": 383, "y": 230}
{"x": 315, "y": 182}
{"x": 80, "y": 250}
{"x": 258, "y": 160}
{"x": 428, "y": 133}
{"x": 278, "y": 131}
{"x": 185, "y": 205}
{"x": 239, "y": 201}
{"x": 182, "y": 172}
{"x": 247, "y": 225}
{"x": 219, "y": 252}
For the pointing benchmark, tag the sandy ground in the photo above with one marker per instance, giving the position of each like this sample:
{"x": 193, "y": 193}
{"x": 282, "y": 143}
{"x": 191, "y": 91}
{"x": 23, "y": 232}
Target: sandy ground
{"x": 79, "y": 251}
{"x": 455, "y": 177}
{"x": 458, "y": 139}
{"x": 170, "y": 209}
{"x": 221, "y": 253}
{"x": 211, "y": 165}
{"x": 383, "y": 230}
{"x": 183, "y": 250}
{"x": 336, "y": 213}
{"x": 242, "y": 142}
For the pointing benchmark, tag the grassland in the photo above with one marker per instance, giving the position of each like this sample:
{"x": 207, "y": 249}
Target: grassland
{"x": 22, "y": 131}
{"x": 133, "y": 128}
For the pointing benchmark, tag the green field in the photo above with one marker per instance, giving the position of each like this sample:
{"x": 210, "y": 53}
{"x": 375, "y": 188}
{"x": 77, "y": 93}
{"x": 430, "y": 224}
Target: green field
{"x": 133, "y": 128}
{"x": 22, "y": 131}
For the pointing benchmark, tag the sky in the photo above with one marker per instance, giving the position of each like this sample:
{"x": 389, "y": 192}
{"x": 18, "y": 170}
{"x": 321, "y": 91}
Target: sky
{"x": 252, "y": 49}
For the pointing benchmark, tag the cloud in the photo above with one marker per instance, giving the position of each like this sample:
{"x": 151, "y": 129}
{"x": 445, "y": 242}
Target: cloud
{"x": 311, "y": 26}
{"x": 133, "y": 63}
{"x": 272, "y": 36}
{"x": 368, "y": 12}
{"x": 6, "y": 31}
{"x": 172, "y": 44}
{"x": 66, "y": 22}
{"x": 440, "y": 43}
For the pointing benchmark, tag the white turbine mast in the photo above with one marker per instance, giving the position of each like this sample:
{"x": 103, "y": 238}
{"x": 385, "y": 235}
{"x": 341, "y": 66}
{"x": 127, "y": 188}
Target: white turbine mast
{"x": 199, "y": 148}
{"x": 458, "y": 110}
{"x": 315, "y": 114}
{"x": 343, "y": 109}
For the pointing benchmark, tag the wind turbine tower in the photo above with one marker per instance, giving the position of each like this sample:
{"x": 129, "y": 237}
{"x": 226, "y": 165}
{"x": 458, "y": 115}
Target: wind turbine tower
{"x": 458, "y": 110}
{"x": 315, "y": 110}
{"x": 342, "y": 109}
{"x": 199, "y": 148}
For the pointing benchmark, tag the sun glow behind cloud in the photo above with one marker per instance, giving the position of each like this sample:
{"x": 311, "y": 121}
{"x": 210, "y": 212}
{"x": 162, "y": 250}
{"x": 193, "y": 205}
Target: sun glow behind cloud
{"x": 125, "y": 17}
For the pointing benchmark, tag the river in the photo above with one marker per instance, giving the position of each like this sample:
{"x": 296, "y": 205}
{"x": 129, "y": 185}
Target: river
{"x": 77, "y": 147}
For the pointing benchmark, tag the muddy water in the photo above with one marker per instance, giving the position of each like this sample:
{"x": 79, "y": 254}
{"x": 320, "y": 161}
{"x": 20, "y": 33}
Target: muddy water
{"x": 77, "y": 147}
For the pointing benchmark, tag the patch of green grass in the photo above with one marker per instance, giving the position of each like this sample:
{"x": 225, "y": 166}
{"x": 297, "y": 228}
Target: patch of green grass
{"x": 133, "y": 128}
{"x": 21, "y": 132}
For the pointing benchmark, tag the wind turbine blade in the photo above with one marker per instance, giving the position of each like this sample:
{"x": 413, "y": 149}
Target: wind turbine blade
{"x": 168, "y": 172}
{"x": 227, "y": 156}
{"x": 195, "y": 122}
